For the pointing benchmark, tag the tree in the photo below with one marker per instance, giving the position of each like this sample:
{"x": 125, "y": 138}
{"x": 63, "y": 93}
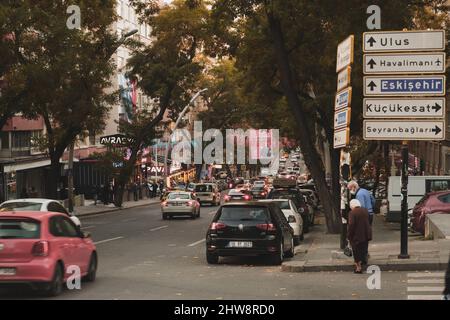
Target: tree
{"x": 65, "y": 74}
{"x": 167, "y": 70}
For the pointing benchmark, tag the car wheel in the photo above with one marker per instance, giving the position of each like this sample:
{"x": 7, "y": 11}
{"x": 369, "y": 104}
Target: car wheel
{"x": 291, "y": 252}
{"x": 164, "y": 216}
{"x": 92, "y": 271}
{"x": 277, "y": 258}
{"x": 193, "y": 216}
{"x": 297, "y": 240}
{"x": 302, "y": 237}
{"x": 55, "y": 287}
{"x": 305, "y": 224}
{"x": 198, "y": 213}
{"x": 312, "y": 219}
{"x": 212, "y": 258}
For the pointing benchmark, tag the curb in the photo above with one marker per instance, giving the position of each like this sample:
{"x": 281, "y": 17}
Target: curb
{"x": 302, "y": 266}
{"x": 113, "y": 210}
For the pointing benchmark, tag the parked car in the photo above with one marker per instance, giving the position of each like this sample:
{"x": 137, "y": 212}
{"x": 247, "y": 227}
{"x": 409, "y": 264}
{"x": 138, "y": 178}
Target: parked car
{"x": 291, "y": 213}
{"x": 249, "y": 229}
{"x": 208, "y": 193}
{"x": 237, "y": 195}
{"x": 433, "y": 202}
{"x": 295, "y": 195}
{"x": 180, "y": 204}
{"x": 312, "y": 196}
{"x": 190, "y": 187}
{"x": 38, "y": 247}
{"x": 37, "y": 204}
{"x": 258, "y": 192}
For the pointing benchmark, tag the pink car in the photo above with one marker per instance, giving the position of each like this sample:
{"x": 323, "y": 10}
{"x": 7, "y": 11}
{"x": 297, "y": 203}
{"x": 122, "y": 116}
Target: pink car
{"x": 433, "y": 202}
{"x": 37, "y": 248}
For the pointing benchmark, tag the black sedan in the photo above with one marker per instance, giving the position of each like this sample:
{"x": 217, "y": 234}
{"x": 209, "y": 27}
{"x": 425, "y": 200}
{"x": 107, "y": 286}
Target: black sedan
{"x": 249, "y": 229}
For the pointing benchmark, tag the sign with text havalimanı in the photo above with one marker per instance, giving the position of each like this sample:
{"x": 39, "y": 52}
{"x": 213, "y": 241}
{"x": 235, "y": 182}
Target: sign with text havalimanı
{"x": 404, "y": 63}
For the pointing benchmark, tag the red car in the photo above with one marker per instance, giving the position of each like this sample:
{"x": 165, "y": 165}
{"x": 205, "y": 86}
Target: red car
{"x": 37, "y": 248}
{"x": 432, "y": 202}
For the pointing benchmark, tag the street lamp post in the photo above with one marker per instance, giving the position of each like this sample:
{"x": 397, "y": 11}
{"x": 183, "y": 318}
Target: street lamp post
{"x": 166, "y": 170}
{"x": 72, "y": 145}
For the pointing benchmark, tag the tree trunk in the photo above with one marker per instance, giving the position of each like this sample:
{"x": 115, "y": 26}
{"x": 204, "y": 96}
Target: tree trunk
{"x": 123, "y": 178}
{"x": 312, "y": 158}
{"x": 54, "y": 177}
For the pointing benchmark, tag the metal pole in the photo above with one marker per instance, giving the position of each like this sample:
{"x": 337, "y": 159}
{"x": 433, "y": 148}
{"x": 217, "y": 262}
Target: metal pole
{"x": 70, "y": 177}
{"x": 404, "y": 208}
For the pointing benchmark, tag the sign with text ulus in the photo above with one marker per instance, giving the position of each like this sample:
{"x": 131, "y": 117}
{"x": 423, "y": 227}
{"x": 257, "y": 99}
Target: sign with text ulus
{"x": 404, "y": 108}
{"x": 404, "y": 85}
{"x": 343, "y": 99}
{"x": 398, "y": 41}
{"x": 341, "y": 138}
{"x": 404, "y": 63}
{"x": 345, "y": 53}
{"x": 404, "y": 130}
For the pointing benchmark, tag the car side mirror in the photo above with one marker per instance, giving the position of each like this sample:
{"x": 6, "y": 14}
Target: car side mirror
{"x": 291, "y": 219}
{"x": 85, "y": 234}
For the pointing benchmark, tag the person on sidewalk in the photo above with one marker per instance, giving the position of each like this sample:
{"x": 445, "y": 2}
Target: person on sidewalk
{"x": 364, "y": 197}
{"x": 359, "y": 233}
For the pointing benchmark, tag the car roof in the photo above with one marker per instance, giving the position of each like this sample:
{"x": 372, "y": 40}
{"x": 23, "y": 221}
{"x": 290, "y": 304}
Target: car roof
{"x": 247, "y": 204}
{"x": 438, "y": 193}
{"x": 274, "y": 200}
{"x": 37, "y": 200}
{"x": 37, "y": 215}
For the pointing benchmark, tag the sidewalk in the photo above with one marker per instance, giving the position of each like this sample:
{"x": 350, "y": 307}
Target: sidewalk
{"x": 321, "y": 251}
{"x": 91, "y": 209}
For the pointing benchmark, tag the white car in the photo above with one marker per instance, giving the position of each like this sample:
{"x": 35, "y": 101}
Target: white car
{"x": 259, "y": 183}
{"x": 37, "y": 204}
{"x": 292, "y": 216}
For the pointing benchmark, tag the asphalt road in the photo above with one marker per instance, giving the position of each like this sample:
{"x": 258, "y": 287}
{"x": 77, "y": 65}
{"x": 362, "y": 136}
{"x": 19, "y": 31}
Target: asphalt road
{"x": 142, "y": 256}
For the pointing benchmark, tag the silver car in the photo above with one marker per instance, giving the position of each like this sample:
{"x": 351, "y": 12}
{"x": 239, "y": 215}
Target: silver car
{"x": 180, "y": 203}
{"x": 208, "y": 193}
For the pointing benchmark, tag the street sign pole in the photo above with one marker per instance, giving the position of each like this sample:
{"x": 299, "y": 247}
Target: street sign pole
{"x": 404, "y": 207}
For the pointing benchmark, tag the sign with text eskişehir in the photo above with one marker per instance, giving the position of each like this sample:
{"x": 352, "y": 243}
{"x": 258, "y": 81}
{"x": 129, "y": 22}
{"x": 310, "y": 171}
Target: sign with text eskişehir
{"x": 344, "y": 78}
{"x": 404, "y": 63}
{"x": 341, "y": 138}
{"x": 404, "y": 85}
{"x": 401, "y": 41}
{"x": 404, "y": 107}
{"x": 343, "y": 99}
{"x": 345, "y": 53}
{"x": 404, "y": 129}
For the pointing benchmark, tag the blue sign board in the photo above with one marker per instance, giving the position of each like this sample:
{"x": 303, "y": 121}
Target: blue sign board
{"x": 404, "y": 86}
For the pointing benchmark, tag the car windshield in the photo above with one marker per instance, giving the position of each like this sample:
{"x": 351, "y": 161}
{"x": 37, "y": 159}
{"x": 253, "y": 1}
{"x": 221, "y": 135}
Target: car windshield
{"x": 21, "y": 206}
{"x": 19, "y": 229}
{"x": 182, "y": 196}
{"x": 257, "y": 189}
{"x": 236, "y": 193}
{"x": 283, "y": 205}
{"x": 244, "y": 214}
{"x": 203, "y": 188}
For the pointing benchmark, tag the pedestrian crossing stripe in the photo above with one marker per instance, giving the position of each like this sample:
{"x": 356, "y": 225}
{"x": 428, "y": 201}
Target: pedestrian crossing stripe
{"x": 425, "y": 285}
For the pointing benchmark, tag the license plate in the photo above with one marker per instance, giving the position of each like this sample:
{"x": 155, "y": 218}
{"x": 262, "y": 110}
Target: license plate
{"x": 240, "y": 244}
{"x": 238, "y": 198}
{"x": 176, "y": 204}
{"x": 7, "y": 271}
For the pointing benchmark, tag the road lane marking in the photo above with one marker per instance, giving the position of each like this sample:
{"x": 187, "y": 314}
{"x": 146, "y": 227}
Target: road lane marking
{"x": 424, "y": 297}
{"x": 426, "y": 274}
{"x": 88, "y": 227}
{"x": 196, "y": 243}
{"x": 430, "y": 281}
{"x": 426, "y": 289}
{"x": 159, "y": 228}
{"x": 129, "y": 220}
{"x": 108, "y": 240}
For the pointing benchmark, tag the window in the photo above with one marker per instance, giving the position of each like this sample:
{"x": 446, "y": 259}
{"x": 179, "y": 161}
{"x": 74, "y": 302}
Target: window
{"x": 244, "y": 214}
{"x": 437, "y": 185}
{"x": 56, "y": 207}
{"x": 445, "y": 198}
{"x": 203, "y": 188}
{"x": 21, "y": 139}
{"x": 4, "y": 138}
{"x": 19, "y": 229}
{"x": 20, "y": 206}
{"x": 69, "y": 228}
{"x": 62, "y": 227}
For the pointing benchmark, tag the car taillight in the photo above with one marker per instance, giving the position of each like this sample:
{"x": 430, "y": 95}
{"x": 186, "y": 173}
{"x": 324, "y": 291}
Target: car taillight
{"x": 190, "y": 203}
{"x": 246, "y": 197}
{"x": 226, "y": 197}
{"x": 266, "y": 226}
{"x": 230, "y": 186}
{"x": 40, "y": 249}
{"x": 217, "y": 226}
{"x": 164, "y": 204}
{"x": 263, "y": 193}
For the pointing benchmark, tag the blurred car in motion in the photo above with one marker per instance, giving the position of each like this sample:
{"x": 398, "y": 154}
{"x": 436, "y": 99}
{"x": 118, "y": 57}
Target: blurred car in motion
{"x": 237, "y": 195}
{"x": 249, "y": 229}
{"x": 38, "y": 247}
{"x": 258, "y": 192}
{"x": 433, "y": 202}
{"x": 37, "y": 204}
{"x": 180, "y": 203}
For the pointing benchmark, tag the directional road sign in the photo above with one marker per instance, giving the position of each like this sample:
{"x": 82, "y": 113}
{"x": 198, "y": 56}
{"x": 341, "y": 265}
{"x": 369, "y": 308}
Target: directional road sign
{"x": 342, "y": 118}
{"x": 397, "y": 63}
{"x": 344, "y": 78}
{"x": 404, "y": 130}
{"x": 404, "y": 85}
{"x": 397, "y": 41}
{"x": 404, "y": 108}
{"x": 341, "y": 138}
{"x": 345, "y": 53}
{"x": 343, "y": 99}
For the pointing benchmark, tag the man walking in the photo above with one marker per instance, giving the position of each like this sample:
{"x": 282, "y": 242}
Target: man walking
{"x": 364, "y": 197}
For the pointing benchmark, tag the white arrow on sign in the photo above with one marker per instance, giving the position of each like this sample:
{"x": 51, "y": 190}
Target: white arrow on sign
{"x": 344, "y": 78}
{"x": 404, "y": 130}
{"x": 387, "y": 41}
{"x": 404, "y": 85}
{"x": 343, "y": 99}
{"x": 396, "y": 63}
{"x": 341, "y": 138}
{"x": 404, "y": 108}
{"x": 342, "y": 118}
